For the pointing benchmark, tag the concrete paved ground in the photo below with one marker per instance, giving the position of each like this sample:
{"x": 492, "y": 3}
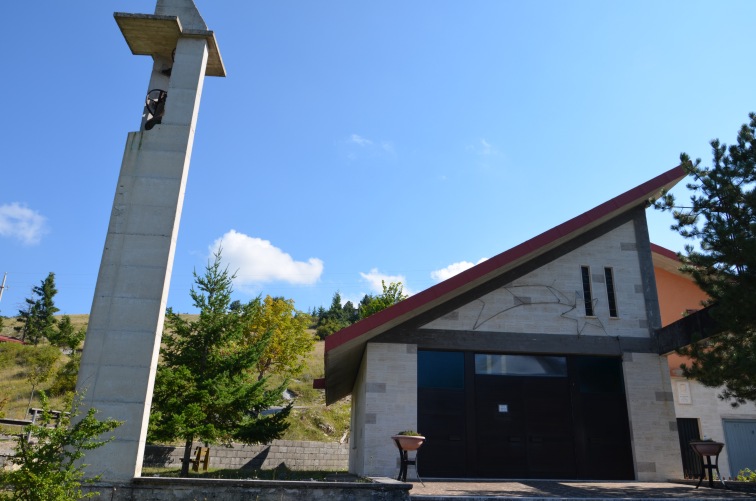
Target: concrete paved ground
{"x": 437, "y": 490}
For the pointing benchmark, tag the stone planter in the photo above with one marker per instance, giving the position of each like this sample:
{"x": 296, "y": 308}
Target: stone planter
{"x": 408, "y": 442}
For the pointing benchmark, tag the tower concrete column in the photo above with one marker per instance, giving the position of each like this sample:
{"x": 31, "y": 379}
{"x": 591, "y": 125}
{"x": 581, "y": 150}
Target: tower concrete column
{"x": 126, "y": 321}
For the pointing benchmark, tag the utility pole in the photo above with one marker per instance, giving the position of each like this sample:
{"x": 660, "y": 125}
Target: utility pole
{"x": 2, "y": 287}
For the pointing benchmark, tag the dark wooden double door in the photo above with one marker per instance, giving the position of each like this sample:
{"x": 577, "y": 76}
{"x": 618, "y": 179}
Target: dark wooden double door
{"x": 566, "y": 426}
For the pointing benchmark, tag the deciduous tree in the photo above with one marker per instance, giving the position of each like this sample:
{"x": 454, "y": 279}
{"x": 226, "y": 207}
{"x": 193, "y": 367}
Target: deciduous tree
{"x": 392, "y": 294}
{"x": 288, "y": 338}
{"x": 721, "y": 219}
{"x": 47, "y": 468}
{"x": 39, "y": 364}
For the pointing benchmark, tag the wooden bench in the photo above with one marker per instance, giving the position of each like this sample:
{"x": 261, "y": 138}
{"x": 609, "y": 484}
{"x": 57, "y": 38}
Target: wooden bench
{"x": 201, "y": 456}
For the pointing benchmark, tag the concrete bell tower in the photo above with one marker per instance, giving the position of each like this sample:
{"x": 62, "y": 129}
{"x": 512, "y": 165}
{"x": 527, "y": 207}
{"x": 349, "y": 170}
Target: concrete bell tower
{"x": 125, "y": 325}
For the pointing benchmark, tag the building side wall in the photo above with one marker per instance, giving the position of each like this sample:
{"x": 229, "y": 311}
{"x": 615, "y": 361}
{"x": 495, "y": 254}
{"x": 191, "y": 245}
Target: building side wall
{"x": 389, "y": 387}
{"x": 677, "y": 294}
{"x": 549, "y": 300}
{"x": 710, "y": 411}
{"x": 653, "y": 426}
{"x": 692, "y": 399}
{"x": 357, "y": 422}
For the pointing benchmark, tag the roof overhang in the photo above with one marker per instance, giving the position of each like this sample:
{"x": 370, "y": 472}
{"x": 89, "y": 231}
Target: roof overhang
{"x": 667, "y": 260}
{"x": 344, "y": 349}
{"x": 156, "y": 35}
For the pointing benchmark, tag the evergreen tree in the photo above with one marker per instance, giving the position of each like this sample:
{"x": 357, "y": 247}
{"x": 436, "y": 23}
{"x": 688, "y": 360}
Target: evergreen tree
{"x": 65, "y": 335}
{"x": 721, "y": 218}
{"x": 38, "y": 316}
{"x": 334, "y": 318}
{"x": 206, "y": 386}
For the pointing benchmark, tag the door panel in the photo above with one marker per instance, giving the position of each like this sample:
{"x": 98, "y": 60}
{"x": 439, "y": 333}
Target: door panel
{"x": 489, "y": 416}
{"x": 687, "y": 430}
{"x": 602, "y": 429}
{"x": 523, "y": 427}
{"x": 441, "y": 419}
{"x": 740, "y": 443}
{"x": 501, "y": 434}
{"x": 441, "y": 414}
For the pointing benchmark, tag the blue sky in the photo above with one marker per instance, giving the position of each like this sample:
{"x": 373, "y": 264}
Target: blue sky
{"x": 354, "y": 141}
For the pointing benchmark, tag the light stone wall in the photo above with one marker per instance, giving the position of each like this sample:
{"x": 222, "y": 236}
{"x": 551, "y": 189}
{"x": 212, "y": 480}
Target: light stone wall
{"x": 653, "y": 425}
{"x": 357, "y": 423}
{"x": 710, "y": 410}
{"x": 549, "y": 300}
{"x": 386, "y": 401}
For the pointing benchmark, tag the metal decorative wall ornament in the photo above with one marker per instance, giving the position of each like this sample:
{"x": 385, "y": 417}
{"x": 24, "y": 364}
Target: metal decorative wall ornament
{"x": 528, "y": 295}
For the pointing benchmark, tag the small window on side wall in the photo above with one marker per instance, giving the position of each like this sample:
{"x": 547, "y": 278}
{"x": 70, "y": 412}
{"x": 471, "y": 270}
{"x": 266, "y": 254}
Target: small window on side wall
{"x": 610, "y": 294}
{"x": 587, "y": 293}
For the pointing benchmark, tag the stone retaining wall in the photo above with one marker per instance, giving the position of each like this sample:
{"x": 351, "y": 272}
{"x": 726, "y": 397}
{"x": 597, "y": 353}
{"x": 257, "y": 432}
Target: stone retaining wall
{"x": 184, "y": 489}
{"x": 295, "y": 455}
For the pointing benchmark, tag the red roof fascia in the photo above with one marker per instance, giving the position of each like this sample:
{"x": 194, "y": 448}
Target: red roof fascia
{"x": 524, "y": 249}
{"x": 663, "y": 251}
{"x": 6, "y": 339}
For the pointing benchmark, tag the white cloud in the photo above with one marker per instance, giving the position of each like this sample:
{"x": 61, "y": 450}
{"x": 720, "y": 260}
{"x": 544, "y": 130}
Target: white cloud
{"x": 374, "y": 279}
{"x": 453, "y": 269}
{"x": 483, "y": 148}
{"x": 357, "y": 146}
{"x": 257, "y": 261}
{"x": 19, "y": 222}
{"x": 357, "y": 139}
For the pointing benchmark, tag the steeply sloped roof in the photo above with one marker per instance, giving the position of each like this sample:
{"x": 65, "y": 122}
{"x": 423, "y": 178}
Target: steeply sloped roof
{"x": 344, "y": 349}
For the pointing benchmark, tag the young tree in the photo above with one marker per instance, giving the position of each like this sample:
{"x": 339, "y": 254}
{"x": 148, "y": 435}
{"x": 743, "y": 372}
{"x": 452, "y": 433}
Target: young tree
{"x": 68, "y": 338}
{"x": 39, "y": 363}
{"x": 392, "y": 294}
{"x": 722, "y": 219}
{"x": 288, "y": 340}
{"x": 65, "y": 335}
{"x": 206, "y": 386}
{"x": 38, "y": 317}
{"x": 48, "y": 467}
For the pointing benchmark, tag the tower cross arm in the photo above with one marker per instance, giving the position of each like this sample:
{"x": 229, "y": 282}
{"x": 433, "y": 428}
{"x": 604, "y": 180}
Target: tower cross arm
{"x": 157, "y": 35}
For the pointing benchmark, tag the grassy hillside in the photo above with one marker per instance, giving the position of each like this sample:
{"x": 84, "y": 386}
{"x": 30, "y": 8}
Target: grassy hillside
{"x": 309, "y": 420}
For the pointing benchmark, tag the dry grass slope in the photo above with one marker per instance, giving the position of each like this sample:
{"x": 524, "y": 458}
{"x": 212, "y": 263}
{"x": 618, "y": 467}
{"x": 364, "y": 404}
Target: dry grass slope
{"x": 310, "y": 419}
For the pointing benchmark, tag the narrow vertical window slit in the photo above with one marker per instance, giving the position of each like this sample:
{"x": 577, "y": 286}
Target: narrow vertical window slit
{"x": 587, "y": 295}
{"x": 610, "y": 294}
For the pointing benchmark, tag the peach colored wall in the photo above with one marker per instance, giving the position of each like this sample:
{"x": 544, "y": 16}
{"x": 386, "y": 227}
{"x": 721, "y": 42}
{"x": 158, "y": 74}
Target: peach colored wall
{"x": 676, "y": 294}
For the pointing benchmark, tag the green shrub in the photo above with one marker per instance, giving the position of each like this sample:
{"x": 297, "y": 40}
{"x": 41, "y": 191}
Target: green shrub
{"x": 746, "y": 475}
{"x": 47, "y": 464}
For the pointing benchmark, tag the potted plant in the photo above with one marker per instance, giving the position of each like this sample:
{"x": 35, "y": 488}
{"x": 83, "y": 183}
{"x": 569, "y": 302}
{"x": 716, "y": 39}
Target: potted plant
{"x": 408, "y": 440}
{"x": 706, "y": 447}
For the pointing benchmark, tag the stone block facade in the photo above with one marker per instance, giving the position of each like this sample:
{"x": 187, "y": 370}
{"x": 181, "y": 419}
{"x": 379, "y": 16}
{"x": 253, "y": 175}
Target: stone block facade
{"x": 539, "y": 302}
{"x": 383, "y": 404}
{"x": 653, "y": 425}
